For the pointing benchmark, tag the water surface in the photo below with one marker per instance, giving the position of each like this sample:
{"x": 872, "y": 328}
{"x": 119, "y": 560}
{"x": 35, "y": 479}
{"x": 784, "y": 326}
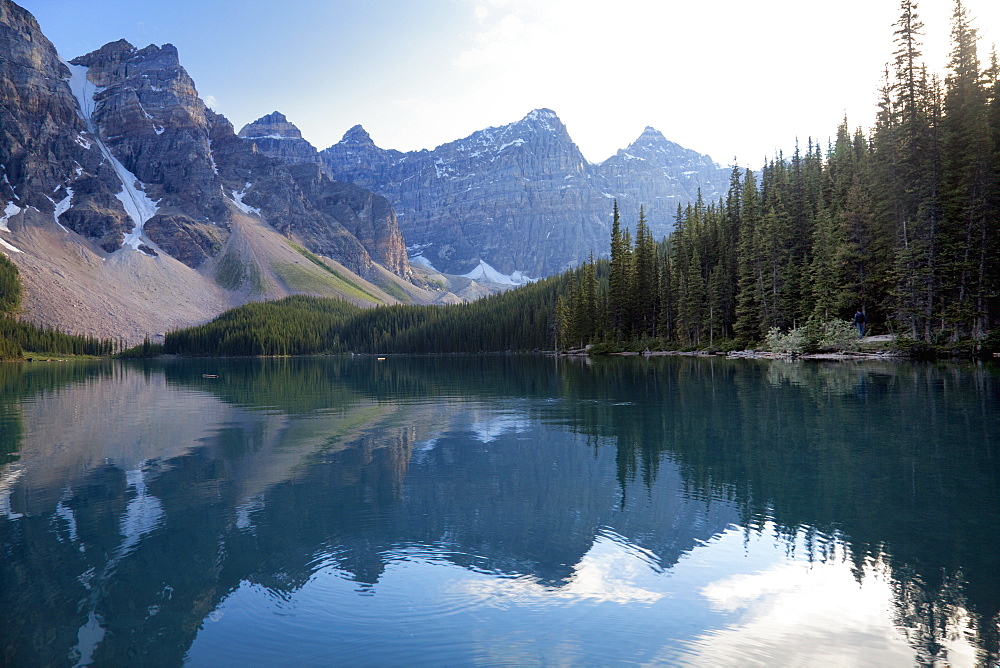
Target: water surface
{"x": 499, "y": 510}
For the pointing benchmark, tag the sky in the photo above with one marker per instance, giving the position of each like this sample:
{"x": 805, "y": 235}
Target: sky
{"x": 733, "y": 79}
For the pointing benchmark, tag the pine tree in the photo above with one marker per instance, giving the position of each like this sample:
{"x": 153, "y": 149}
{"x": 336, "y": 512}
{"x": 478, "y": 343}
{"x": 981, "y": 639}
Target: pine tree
{"x": 590, "y": 291}
{"x": 992, "y": 278}
{"x": 563, "y": 324}
{"x": 965, "y": 175}
{"x": 824, "y": 274}
{"x": 646, "y": 284}
{"x": 618, "y": 278}
{"x": 629, "y": 307}
{"x": 749, "y": 308}
{"x": 906, "y": 167}
{"x": 666, "y": 321}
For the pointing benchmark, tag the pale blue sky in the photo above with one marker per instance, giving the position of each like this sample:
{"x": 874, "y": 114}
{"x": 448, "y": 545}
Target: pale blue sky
{"x": 723, "y": 77}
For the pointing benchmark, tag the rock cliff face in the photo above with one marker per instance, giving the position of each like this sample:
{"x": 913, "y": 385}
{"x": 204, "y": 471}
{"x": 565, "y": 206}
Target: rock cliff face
{"x": 132, "y": 208}
{"x": 521, "y": 198}
{"x": 120, "y": 148}
{"x": 48, "y": 159}
{"x": 658, "y": 175}
{"x": 189, "y": 165}
{"x": 364, "y": 216}
{"x": 275, "y": 136}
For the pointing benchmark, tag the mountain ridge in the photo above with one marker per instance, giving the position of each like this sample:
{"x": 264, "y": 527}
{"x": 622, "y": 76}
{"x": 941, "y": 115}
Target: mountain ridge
{"x": 521, "y": 197}
{"x": 132, "y": 208}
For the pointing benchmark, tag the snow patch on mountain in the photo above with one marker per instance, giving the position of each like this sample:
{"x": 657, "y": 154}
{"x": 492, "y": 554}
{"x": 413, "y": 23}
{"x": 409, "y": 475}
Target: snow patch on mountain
{"x": 62, "y": 206}
{"x": 9, "y": 210}
{"x": 516, "y": 142}
{"x": 237, "y": 199}
{"x": 10, "y": 247}
{"x": 211, "y": 159}
{"x": 270, "y": 137}
{"x": 83, "y": 90}
{"x": 422, "y": 261}
{"x": 139, "y": 207}
{"x": 484, "y": 272}
{"x": 137, "y": 204}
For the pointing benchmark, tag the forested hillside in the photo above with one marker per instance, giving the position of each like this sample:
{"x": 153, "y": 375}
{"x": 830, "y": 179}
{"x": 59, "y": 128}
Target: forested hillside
{"x": 901, "y": 222}
{"x": 517, "y": 320}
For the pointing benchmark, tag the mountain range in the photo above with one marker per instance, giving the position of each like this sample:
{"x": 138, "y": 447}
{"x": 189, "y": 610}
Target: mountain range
{"x": 131, "y": 208}
{"x": 510, "y": 202}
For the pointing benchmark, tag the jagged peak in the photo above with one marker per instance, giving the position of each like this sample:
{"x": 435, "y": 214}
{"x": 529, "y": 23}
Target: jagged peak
{"x": 652, "y": 133}
{"x": 273, "y": 117}
{"x": 357, "y": 135}
{"x": 113, "y": 54}
{"x": 273, "y": 125}
{"x": 542, "y": 118}
{"x": 167, "y": 49}
{"x": 541, "y": 114}
{"x": 652, "y": 138}
{"x": 118, "y": 50}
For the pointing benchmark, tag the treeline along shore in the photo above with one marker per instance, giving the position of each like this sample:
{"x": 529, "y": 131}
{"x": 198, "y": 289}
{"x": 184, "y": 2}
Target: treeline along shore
{"x": 899, "y": 222}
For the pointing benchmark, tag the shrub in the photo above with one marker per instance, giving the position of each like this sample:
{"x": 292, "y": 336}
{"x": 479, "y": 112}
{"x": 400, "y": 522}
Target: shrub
{"x": 792, "y": 342}
{"x": 605, "y": 348}
{"x": 835, "y": 335}
{"x": 815, "y": 335}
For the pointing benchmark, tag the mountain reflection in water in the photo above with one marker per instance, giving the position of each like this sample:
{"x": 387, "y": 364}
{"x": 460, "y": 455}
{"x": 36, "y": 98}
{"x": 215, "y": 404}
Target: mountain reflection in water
{"x": 499, "y": 509}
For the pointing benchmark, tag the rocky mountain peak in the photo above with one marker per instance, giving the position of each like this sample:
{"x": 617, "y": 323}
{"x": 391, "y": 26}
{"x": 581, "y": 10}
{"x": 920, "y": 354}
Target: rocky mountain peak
{"x": 41, "y": 134}
{"x": 111, "y": 52}
{"x": 274, "y": 126}
{"x": 144, "y": 110}
{"x": 120, "y": 61}
{"x": 539, "y": 132}
{"x": 538, "y": 124}
{"x": 650, "y": 134}
{"x": 652, "y": 142}
{"x": 275, "y": 136}
{"x": 543, "y": 118}
{"x": 357, "y": 135}
{"x": 521, "y": 199}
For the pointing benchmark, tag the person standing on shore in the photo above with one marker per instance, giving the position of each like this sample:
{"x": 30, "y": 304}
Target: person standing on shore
{"x": 860, "y": 320}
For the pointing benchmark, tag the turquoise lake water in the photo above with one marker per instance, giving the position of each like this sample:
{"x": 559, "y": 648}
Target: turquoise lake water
{"x": 499, "y": 510}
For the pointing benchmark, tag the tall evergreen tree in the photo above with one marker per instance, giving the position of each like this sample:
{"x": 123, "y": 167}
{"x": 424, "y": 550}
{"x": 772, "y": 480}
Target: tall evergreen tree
{"x": 646, "y": 283}
{"x": 965, "y": 174}
{"x": 627, "y": 326}
{"x": 992, "y": 250}
{"x": 618, "y": 279}
{"x": 750, "y": 269}
{"x": 906, "y": 149}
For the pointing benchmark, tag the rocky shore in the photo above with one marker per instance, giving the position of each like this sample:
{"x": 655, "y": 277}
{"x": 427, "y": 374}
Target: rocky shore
{"x": 878, "y": 348}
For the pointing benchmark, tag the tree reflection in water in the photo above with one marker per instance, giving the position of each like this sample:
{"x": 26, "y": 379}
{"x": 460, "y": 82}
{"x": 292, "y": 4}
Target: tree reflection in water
{"x": 280, "y": 468}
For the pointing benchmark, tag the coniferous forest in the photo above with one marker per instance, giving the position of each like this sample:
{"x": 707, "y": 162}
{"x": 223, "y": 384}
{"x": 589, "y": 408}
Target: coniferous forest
{"x": 517, "y": 320}
{"x": 900, "y": 222}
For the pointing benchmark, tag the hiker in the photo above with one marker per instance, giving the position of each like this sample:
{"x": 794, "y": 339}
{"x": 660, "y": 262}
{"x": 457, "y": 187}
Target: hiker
{"x": 859, "y": 321}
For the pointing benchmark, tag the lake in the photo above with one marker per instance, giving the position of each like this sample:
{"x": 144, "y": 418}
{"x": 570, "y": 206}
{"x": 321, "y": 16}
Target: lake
{"x": 499, "y": 510}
